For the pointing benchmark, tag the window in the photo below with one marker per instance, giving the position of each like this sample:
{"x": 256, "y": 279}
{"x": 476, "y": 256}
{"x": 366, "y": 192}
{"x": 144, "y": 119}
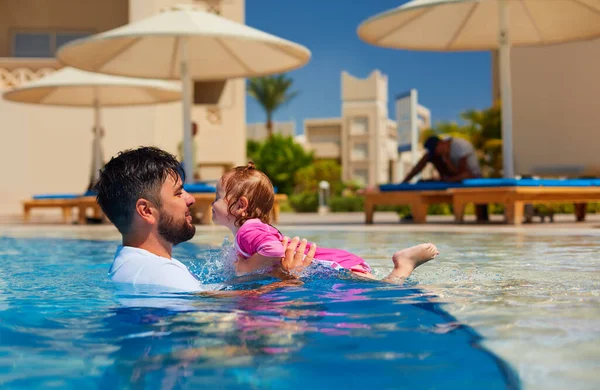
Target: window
{"x": 63, "y": 38}
{"x": 41, "y": 44}
{"x": 32, "y": 45}
{"x": 360, "y": 152}
{"x": 359, "y": 125}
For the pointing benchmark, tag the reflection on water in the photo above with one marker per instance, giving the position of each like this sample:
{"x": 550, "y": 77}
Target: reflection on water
{"x": 532, "y": 300}
{"x": 319, "y": 335}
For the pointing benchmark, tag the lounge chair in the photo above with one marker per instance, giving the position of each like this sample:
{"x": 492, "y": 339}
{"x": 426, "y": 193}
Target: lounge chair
{"x": 515, "y": 193}
{"x": 418, "y": 196}
{"x": 66, "y": 202}
{"x": 204, "y": 195}
{"x": 85, "y": 202}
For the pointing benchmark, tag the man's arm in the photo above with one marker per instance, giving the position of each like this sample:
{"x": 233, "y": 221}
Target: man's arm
{"x": 417, "y": 168}
{"x": 462, "y": 172}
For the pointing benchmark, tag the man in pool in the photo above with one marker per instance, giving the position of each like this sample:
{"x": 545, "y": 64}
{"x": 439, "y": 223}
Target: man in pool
{"x": 141, "y": 192}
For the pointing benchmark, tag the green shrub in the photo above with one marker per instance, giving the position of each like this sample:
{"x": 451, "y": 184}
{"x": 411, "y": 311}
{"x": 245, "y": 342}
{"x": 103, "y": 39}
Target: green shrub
{"x": 346, "y": 203}
{"x": 252, "y": 148}
{"x": 304, "y": 202}
{"x": 285, "y": 206}
{"x": 566, "y": 208}
{"x": 439, "y": 209}
{"x": 307, "y": 179}
{"x": 401, "y": 210}
{"x": 280, "y": 158}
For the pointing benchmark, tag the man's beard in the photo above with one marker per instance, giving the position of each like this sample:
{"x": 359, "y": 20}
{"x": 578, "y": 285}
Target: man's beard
{"x": 174, "y": 232}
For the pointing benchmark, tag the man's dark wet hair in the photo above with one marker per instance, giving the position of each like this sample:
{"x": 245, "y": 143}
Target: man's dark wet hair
{"x": 431, "y": 143}
{"x": 131, "y": 175}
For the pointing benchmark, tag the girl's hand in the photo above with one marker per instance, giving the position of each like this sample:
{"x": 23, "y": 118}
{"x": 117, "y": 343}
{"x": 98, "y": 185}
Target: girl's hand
{"x": 294, "y": 260}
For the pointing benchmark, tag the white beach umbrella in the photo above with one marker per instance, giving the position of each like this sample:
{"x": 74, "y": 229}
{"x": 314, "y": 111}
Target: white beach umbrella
{"x": 460, "y": 25}
{"x": 185, "y": 44}
{"x": 77, "y": 88}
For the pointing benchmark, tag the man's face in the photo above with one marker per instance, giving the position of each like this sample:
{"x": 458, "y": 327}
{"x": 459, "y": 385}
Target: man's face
{"x": 175, "y": 218}
{"x": 442, "y": 148}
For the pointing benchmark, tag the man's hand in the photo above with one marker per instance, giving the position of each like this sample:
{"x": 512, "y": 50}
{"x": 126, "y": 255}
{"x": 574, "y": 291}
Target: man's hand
{"x": 294, "y": 260}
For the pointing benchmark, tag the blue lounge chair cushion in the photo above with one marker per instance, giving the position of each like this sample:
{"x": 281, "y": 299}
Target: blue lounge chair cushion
{"x": 489, "y": 183}
{"x": 530, "y": 183}
{"x": 419, "y": 186}
{"x": 199, "y": 188}
{"x": 56, "y": 196}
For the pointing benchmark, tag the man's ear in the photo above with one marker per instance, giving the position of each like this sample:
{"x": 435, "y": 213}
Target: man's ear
{"x": 242, "y": 204}
{"x": 146, "y": 210}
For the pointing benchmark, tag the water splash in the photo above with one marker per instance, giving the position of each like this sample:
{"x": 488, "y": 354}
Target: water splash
{"x": 215, "y": 265}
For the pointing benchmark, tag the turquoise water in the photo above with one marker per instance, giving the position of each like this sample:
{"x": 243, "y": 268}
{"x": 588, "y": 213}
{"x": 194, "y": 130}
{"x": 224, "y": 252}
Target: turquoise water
{"x": 64, "y": 325}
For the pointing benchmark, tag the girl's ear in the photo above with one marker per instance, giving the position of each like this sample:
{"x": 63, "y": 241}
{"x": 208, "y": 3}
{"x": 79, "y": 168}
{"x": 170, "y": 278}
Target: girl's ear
{"x": 242, "y": 204}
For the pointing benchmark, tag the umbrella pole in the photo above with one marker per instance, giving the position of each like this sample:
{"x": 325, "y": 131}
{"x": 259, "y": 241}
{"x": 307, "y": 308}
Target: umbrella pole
{"x": 505, "y": 91}
{"x": 97, "y": 124}
{"x": 187, "y": 123}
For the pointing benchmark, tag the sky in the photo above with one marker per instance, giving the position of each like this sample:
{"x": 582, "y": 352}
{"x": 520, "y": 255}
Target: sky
{"x": 447, "y": 83}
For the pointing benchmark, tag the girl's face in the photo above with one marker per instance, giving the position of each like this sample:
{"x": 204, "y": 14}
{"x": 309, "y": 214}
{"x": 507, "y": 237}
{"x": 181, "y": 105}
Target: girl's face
{"x": 220, "y": 212}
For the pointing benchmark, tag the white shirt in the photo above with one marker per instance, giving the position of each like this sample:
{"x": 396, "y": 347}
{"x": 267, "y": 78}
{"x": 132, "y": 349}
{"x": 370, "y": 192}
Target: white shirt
{"x": 460, "y": 148}
{"x": 139, "y": 267}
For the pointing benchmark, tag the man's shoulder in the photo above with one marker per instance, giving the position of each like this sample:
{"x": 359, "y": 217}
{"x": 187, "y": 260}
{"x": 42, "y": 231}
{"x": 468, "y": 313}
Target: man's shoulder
{"x": 460, "y": 141}
{"x": 131, "y": 254}
{"x": 461, "y": 144}
{"x": 140, "y": 267}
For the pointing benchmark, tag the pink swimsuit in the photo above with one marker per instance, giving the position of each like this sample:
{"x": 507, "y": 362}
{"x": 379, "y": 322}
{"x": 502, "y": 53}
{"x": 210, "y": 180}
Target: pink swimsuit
{"x": 255, "y": 236}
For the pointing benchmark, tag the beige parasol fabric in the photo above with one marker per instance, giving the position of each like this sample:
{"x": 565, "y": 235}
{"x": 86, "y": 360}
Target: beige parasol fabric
{"x": 77, "y": 88}
{"x": 217, "y": 48}
{"x": 74, "y": 87}
{"x": 185, "y": 44}
{"x": 460, "y": 25}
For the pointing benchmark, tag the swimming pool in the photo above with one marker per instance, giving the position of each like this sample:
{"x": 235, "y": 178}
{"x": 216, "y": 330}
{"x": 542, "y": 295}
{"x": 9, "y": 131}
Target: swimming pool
{"x": 495, "y": 311}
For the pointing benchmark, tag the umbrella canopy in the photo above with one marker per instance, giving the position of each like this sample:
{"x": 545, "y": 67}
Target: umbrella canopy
{"x": 77, "y": 88}
{"x": 217, "y": 48}
{"x": 459, "y": 25}
{"x": 185, "y": 44}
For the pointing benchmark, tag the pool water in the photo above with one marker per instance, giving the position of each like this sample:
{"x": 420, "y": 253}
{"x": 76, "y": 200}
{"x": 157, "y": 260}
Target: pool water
{"x": 494, "y": 311}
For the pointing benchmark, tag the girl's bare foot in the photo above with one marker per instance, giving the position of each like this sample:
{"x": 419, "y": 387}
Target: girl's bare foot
{"x": 406, "y": 260}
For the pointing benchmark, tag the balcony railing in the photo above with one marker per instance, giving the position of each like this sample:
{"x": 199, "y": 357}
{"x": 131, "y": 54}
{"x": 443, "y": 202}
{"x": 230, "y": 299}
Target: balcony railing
{"x": 16, "y": 71}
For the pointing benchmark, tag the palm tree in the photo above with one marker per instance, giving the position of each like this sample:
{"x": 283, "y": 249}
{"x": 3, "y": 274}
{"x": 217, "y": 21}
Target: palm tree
{"x": 271, "y": 92}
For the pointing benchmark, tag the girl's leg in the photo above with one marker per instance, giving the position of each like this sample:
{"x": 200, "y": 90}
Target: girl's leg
{"x": 406, "y": 260}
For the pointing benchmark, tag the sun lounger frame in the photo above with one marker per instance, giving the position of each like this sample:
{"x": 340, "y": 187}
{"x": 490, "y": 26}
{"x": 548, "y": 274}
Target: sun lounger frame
{"x": 515, "y": 198}
{"x": 417, "y": 200}
{"x": 66, "y": 205}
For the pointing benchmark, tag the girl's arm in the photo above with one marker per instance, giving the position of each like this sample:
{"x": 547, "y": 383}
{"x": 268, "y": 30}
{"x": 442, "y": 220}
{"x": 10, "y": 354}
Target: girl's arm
{"x": 287, "y": 267}
{"x": 291, "y": 264}
{"x": 256, "y": 263}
